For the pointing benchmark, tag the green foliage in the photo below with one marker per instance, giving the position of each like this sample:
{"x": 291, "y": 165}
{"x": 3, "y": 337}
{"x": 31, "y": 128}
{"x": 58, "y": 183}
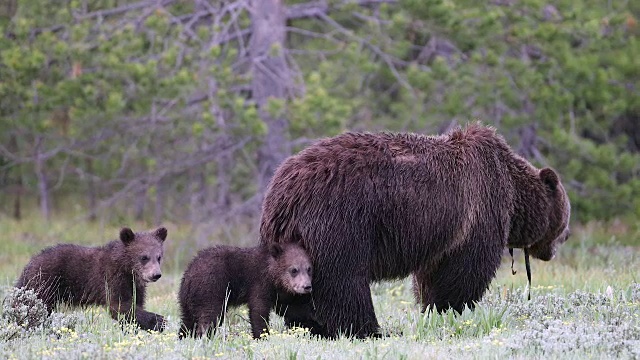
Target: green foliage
{"x": 140, "y": 91}
{"x": 564, "y": 68}
{"x": 318, "y": 113}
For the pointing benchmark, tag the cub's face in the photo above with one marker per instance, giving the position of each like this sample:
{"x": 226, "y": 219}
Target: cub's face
{"x": 291, "y": 268}
{"x": 144, "y": 251}
{"x": 558, "y": 217}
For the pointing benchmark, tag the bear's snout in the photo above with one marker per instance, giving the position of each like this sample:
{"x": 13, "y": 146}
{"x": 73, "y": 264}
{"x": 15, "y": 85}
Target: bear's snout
{"x": 156, "y": 277}
{"x": 301, "y": 286}
{"x": 302, "y": 289}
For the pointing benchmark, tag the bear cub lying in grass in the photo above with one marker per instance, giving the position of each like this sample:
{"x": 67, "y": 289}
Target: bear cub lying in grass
{"x": 262, "y": 277}
{"x": 106, "y": 275}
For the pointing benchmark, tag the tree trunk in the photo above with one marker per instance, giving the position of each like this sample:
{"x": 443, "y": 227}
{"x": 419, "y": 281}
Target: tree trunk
{"x": 43, "y": 190}
{"x": 161, "y": 195}
{"x": 19, "y": 188}
{"x": 198, "y": 196}
{"x": 17, "y": 207}
{"x": 224, "y": 167}
{"x": 270, "y": 81}
{"x": 91, "y": 189}
{"x": 7, "y": 10}
{"x": 141, "y": 200}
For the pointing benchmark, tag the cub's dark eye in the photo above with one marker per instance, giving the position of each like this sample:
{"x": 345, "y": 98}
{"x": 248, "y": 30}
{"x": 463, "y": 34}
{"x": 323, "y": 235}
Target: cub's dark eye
{"x": 294, "y": 271}
{"x": 309, "y": 269}
{"x": 159, "y": 258}
{"x": 144, "y": 258}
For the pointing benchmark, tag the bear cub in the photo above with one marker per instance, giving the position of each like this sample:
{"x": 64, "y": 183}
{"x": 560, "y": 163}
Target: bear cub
{"x": 114, "y": 275}
{"x": 263, "y": 277}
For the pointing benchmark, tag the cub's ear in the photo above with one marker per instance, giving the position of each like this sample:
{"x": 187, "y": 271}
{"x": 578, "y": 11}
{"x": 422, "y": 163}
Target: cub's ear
{"x": 127, "y": 235}
{"x": 161, "y": 233}
{"x": 275, "y": 250}
{"x": 549, "y": 178}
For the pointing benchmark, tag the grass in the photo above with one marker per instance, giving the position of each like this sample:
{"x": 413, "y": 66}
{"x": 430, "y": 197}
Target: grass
{"x": 585, "y": 304}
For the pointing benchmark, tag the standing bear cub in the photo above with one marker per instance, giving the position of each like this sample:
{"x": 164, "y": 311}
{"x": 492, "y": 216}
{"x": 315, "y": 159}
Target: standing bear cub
{"x": 369, "y": 207}
{"x": 114, "y": 275}
{"x": 262, "y": 277}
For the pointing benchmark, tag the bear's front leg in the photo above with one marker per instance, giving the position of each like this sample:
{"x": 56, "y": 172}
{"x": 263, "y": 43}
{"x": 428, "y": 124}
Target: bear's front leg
{"x": 146, "y": 320}
{"x": 259, "y": 315}
{"x": 344, "y": 306}
{"x": 309, "y": 323}
{"x": 150, "y": 321}
{"x": 301, "y": 315}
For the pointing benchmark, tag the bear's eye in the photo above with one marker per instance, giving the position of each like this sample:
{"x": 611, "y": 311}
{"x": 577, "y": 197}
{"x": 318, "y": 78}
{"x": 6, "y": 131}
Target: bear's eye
{"x": 144, "y": 258}
{"x": 309, "y": 269}
{"x": 294, "y": 271}
{"x": 159, "y": 258}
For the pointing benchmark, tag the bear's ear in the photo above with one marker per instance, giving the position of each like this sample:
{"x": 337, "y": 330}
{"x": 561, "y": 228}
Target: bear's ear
{"x": 549, "y": 178}
{"x": 275, "y": 250}
{"x": 127, "y": 235}
{"x": 161, "y": 233}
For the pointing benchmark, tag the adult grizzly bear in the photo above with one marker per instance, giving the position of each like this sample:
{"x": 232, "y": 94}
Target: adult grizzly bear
{"x": 262, "y": 277}
{"x": 369, "y": 207}
{"x": 106, "y": 275}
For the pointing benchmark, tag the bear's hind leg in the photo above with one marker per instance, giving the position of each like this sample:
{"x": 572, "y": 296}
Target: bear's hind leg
{"x": 203, "y": 327}
{"x": 461, "y": 277}
{"x": 47, "y": 288}
{"x": 208, "y": 322}
{"x": 187, "y": 326}
{"x": 422, "y": 288}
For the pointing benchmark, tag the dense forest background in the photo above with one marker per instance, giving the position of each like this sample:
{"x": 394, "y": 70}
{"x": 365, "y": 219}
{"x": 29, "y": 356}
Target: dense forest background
{"x": 176, "y": 110}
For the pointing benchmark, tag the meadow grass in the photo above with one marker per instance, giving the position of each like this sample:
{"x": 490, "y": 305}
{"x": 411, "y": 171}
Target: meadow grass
{"x": 585, "y": 304}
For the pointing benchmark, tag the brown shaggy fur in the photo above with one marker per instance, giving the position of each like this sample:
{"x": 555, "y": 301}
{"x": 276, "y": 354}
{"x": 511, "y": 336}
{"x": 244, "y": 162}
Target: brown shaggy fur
{"x": 369, "y": 207}
{"x": 106, "y": 275}
{"x": 262, "y": 277}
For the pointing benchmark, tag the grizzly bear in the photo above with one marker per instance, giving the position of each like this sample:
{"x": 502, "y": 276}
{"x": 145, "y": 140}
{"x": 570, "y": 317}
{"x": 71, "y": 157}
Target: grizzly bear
{"x": 374, "y": 206}
{"x": 115, "y": 275}
{"x": 262, "y": 277}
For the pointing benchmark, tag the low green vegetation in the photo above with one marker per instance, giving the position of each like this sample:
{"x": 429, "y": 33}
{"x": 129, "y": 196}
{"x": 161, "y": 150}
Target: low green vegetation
{"x": 585, "y": 304}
